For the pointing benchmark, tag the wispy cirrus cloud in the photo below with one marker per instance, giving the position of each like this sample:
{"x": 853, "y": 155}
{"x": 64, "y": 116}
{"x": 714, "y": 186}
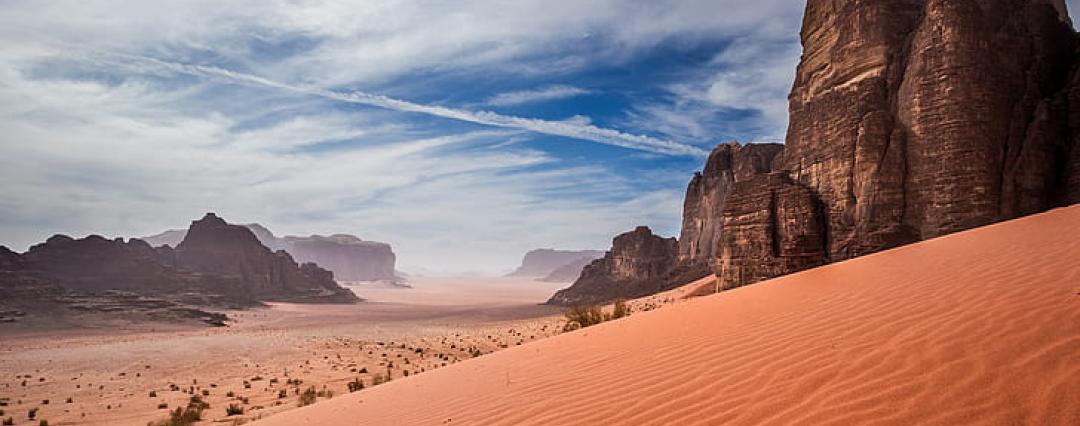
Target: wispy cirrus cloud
{"x": 549, "y": 93}
{"x": 573, "y": 128}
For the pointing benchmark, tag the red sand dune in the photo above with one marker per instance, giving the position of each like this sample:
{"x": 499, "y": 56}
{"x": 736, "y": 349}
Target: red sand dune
{"x": 981, "y": 327}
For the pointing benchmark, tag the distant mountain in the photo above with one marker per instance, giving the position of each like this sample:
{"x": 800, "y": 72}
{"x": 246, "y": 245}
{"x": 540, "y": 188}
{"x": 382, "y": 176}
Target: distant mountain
{"x": 568, "y": 272}
{"x": 347, "y": 256}
{"x": 542, "y": 262}
{"x": 216, "y": 264}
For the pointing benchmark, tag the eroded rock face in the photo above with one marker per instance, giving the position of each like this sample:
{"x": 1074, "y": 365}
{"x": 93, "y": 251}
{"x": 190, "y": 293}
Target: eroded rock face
{"x": 232, "y": 252}
{"x": 635, "y": 266}
{"x": 917, "y": 118}
{"x": 707, "y": 194}
{"x": 771, "y": 226}
{"x": 97, "y": 264}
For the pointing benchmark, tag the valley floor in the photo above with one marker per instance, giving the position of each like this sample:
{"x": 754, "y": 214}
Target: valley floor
{"x": 121, "y": 373}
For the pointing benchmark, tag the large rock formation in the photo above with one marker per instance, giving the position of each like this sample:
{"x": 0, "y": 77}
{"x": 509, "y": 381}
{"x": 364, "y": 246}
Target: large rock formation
{"x": 771, "y": 226}
{"x": 542, "y": 262}
{"x": 708, "y": 191}
{"x": 233, "y": 253}
{"x": 347, "y": 256}
{"x": 916, "y": 118}
{"x": 911, "y": 119}
{"x": 635, "y": 266}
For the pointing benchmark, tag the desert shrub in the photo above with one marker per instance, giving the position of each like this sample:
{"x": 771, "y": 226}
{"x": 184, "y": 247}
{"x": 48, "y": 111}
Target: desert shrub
{"x": 308, "y": 397}
{"x": 32, "y": 413}
{"x": 620, "y": 310}
{"x": 180, "y": 417}
{"x": 43, "y": 422}
{"x": 583, "y": 316}
{"x": 234, "y": 410}
{"x": 325, "y": 393}
{"x": 153, "y": 394}
{"x": 9, "y": 421}
{"x": 355, "y": 385}
{"x": 282, "y": 394}
{"x": 162, "y": 406}
{"x": 197, "y": 402}
{"x": 377, "y": 380}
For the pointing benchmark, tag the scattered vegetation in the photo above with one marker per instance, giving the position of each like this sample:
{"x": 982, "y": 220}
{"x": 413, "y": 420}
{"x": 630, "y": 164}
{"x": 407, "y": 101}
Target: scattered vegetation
{"x": 356, "y": 385}
{"x": 620, "y": 309}
{"x": 184, "y": 416}
{"x": 585, "y": 316}
{"x": 307, "y": 398}
{"x": 234, "y": 410}
{"x": 9, "y": 421}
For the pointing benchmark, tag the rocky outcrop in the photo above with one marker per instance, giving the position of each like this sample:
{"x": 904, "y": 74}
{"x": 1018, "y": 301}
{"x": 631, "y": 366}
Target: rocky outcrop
{"x": 635, "y": 266}
{"x": 347, "y": 256}
{"x": 97, "y": 264}
{"x": 233, "y": 253}
{"x": 708, "y": 191}
{"x": 917, "y": 118}
{"x": 771, "y": 227}
{"x": 543, "y": 262}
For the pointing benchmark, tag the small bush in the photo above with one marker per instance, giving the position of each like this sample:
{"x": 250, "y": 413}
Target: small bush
{"x": 9, "y": 421}
{"x": 162, "y": 406}
{"x": 153, "y": 394}
{"x": 43, "y": 422}
{"x": 32, "y": 413}
{"x": 583, "y": 316}
{"x": 620, "y": 309}
{"x": 308, "y": 397}
{"x": 356, "y": 385}
{"x": 234, "y": 410}
{"x": 377, "y": 380}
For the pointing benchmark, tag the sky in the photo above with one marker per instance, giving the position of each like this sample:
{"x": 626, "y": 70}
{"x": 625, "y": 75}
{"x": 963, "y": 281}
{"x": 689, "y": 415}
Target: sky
{"x": 463, "y": 133}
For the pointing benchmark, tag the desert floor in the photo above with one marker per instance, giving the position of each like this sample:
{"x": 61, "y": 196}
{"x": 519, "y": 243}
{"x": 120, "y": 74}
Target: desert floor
{"x": 120, "y": 374}
{"x": 981, "y": 327}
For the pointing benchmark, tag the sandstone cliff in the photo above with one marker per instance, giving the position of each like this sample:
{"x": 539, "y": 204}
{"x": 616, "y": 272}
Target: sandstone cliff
{"x": 635, "y": 266}
{"x": 911, "y": 119}
{"x": 707, "y": 194}
{"x": 542, "y": 262}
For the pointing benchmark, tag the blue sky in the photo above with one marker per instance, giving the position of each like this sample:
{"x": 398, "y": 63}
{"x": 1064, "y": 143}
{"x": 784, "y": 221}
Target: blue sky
{"x": 464, "y": 133}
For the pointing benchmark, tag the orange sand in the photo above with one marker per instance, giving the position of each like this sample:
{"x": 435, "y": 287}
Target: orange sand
{"x": 981, "y": 327}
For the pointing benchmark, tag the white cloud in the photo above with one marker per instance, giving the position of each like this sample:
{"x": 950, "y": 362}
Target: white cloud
{"x": 548, "y": 93}
{"x": 85, "y": 150}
